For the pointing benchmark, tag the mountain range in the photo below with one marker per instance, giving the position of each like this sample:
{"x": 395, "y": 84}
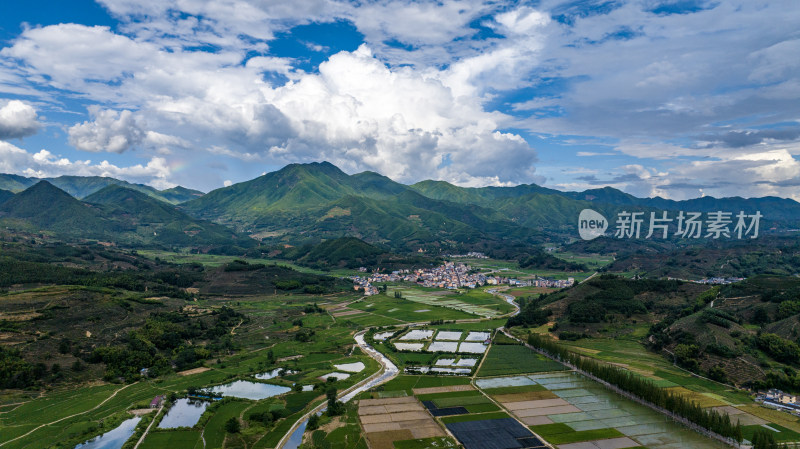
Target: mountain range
{"x": 306, "y": 203}
{"x": 113, "y": 214}
{"x": 83, "y": 186}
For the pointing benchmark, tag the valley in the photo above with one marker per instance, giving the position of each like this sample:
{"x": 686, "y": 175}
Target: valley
{"x": 249, "y": 310}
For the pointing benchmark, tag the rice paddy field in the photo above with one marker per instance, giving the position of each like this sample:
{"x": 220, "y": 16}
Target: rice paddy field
{"x": 563, "y": 409}
{"x": 631, "y": 354}
{"x": 571, "y": 411}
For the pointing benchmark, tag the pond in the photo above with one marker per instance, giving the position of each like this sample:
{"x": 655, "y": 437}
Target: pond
{"x": 113, "y": 439}
{"x": 184, "y": 413}
{"x": 250, "y": 390}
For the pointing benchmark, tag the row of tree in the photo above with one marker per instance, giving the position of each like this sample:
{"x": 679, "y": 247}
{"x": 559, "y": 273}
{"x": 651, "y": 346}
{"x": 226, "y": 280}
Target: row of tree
{"x": 642, "y": 388}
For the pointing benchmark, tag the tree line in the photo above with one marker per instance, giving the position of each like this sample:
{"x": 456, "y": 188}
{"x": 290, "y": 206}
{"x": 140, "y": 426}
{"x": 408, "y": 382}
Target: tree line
{"x": 644, "y": 389}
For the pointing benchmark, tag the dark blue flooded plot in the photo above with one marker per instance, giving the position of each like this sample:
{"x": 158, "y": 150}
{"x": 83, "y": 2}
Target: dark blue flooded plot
{"x": 448, "y": 411}
{"x": 505, "y": 433}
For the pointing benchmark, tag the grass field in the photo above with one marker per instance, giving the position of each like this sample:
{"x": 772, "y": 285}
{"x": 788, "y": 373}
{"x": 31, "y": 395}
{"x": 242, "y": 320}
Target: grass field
{"x": 631, "y": 354}
{"x": 515, "y": 359}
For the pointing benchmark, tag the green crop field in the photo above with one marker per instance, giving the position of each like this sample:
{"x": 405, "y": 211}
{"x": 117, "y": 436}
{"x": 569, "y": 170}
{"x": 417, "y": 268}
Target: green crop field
{"x": 407, "y": 383}
{"x": 559, "y": 433}
{"x": 473, "y": 302}
{"x": 409, "y": 311}
{"x": 173, "y": 439}
{"x": 215, "y": 429}
{"x": 515, "y": 359}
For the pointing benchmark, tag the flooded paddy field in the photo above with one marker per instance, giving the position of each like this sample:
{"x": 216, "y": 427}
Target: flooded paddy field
{"x": 571, "y": 411}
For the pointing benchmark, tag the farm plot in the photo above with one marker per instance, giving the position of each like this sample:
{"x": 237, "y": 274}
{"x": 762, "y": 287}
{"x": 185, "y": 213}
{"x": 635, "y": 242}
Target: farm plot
{"x": 457, "y": 403}
{"x": 443, "y": 346}
{"x": 573, "y": 412}
{"x": 428, "y": 342}
{"x": 395, "y": 419}
{"x": 418, "y": 334}
{"x": 451, "y": 301}
{"x": 449, "y": 335}
{"x": 504, "y": 360}
{"x": 494, "y": 434}
{"x": 396, "y": 311}
{"x": 478, "y": 336}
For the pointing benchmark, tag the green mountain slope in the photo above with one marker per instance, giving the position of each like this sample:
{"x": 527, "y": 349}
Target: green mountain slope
{"x": 178, "y": 195}
{"x": 766, "y": 255}
{"x": 294, "y": 187}
{"x": 47, "y": 207}
{"x": 83, "y": 186}
{"x": 15, "y": 183}
{"x": 347, "y": 252}
{"x": 442, "y": 190}
{"x": 773, "y": 208}
{"x": 146, "y": 219}
{"x": 319, "y": 201}
{"x": 116, "y": 214}
{"x": 5, "y": 195}
{"x": 547, "y": 207}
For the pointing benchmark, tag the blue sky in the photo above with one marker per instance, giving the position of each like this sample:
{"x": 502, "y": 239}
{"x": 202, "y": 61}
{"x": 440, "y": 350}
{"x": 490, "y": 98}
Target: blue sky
{"x": 655, "y": 97}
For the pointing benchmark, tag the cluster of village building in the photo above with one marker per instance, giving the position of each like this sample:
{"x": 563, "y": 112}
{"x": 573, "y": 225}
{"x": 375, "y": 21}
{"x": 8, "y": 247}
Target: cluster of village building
{"x": 469, "y": 255}
{"x": 711, "y": 280}
{"x": 449, "y": 276}
{"x": 777, "y": 399}
{"x": 720, "y": 281}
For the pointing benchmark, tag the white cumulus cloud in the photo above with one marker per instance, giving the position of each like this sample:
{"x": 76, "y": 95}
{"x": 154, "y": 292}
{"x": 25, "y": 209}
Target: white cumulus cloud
{"x": 17, "y": 119}
{"x": 110, "y": 131}
{"x": 156, "y": 172}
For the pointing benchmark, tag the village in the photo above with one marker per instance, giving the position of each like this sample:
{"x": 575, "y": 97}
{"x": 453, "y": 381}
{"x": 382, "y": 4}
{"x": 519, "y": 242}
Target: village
{"x": 450, "y": 276}
{"x": 779, "y": 400}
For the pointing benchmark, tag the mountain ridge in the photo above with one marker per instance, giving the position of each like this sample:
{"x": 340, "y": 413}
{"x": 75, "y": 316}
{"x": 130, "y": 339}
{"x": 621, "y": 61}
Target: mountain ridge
{"x": 83, "y": 186}
{"x": 116, "y": 214}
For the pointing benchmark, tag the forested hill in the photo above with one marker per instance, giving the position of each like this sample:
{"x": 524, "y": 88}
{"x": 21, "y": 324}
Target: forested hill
{"x": 114, "y": 214}
{"x": 83, "y": 186}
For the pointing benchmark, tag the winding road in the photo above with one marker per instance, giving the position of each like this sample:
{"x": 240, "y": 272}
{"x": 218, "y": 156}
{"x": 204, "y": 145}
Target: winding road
{"x": 387, "y": 372}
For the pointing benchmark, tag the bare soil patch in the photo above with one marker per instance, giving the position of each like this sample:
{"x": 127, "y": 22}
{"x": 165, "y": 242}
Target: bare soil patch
{"x": 447, "y": 389}
{"x": 189, "y": 372}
